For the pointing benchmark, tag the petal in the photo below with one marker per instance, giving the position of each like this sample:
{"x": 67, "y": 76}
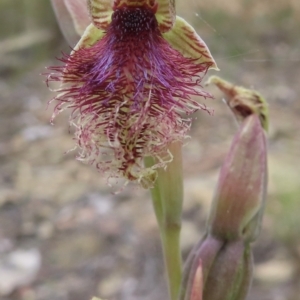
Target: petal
{"x": 185, "y": 39}
{"x": 79, "y": 12}
{"x": 91, "y": 35}
{"x": 101, "y": 11}
{"x": 165, "y": 14}
{"x": 65, "y": 22}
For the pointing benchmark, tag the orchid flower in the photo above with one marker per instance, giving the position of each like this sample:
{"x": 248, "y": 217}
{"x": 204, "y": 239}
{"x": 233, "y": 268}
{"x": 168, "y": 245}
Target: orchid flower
{"x": 131, "y": 83}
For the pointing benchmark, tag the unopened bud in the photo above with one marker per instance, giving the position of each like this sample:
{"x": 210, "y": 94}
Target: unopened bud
{"x": 230, "y": 275}
{"x": 205, "y": 253}
{"x": 218, "y": 271}
{"x": 240, "y": 195}
{"x": 224, "y": 255}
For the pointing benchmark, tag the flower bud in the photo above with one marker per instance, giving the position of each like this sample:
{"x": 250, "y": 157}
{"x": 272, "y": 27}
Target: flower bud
{"x": 203, "y": 254}
{"x": 240, "y": 195}
{"x": 220, "y": 265}
{"x": 217, "y": 270}
{"x": 230, "y": 275}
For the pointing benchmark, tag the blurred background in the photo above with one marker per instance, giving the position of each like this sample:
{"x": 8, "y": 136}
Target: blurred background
{"x": 65, "y": 236}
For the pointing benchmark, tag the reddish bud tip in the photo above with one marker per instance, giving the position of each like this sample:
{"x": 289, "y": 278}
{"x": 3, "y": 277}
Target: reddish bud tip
{"x": 197, "y": 288}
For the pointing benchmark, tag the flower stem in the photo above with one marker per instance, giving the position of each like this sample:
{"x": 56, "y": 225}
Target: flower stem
{"x": 167, "y": 198}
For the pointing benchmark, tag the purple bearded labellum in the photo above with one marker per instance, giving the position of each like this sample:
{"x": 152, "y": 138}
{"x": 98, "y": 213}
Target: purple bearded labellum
{"x": 130, "y": 83}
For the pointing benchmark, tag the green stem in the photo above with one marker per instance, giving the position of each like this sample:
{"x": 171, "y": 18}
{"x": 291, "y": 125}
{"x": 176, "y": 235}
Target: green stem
{"x": 155, "y": 195}
{"x": 167, "y": 198}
